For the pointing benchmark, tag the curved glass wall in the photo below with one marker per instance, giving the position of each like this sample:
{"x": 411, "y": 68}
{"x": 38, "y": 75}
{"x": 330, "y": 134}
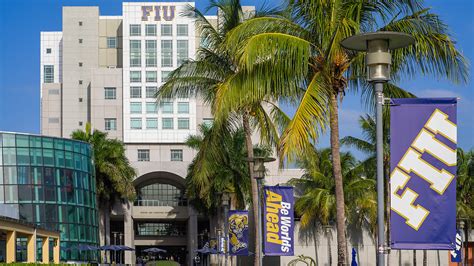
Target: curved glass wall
{"x": 159, "y": 194}
{"x": 51, "y": 182}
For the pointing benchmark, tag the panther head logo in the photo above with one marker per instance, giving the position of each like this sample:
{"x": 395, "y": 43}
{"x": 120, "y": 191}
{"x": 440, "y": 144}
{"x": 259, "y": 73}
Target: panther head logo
{"x": 238, "y": 223}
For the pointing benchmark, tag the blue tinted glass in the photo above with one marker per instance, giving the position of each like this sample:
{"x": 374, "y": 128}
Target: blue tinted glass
{"x": 49, "y": 179}
{"x": 77, "y": 161}
{"x": 59, "y": 144}
{"x": 8, "y": 140}
{"x": 22, "y": 156}
{"x": 48, "y": 143}
{"x": 22, "y": 141}
{"x": 38, "y": 194}
{"x": 77, "y": 147}
{"x": 35, "y": 142}
{"x": 68, "y": 145}
{"x": 36, "y": 157}
{"x": 10, "y": 174}
{"x": 59, "y": 155}
{"x": 48, "y": 157}
{"x": 68, "y": 159}
{"x": 24, "y": 175}
{"x": 9, "y": 156}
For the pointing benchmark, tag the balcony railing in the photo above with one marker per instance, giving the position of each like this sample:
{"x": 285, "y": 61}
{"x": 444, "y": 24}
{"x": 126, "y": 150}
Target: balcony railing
{"x": 160, "y": 203}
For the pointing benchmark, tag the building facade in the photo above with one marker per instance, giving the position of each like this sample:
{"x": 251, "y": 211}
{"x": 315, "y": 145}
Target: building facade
{"x": 50, "y": 182}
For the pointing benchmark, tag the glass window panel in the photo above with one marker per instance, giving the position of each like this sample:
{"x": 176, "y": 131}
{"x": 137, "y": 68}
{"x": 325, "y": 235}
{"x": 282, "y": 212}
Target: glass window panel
{"x": 150, "y": 30}
{"x": 68, "y": 145}
{"x": 135, "y": 53}
{"x": 152, "y": 123}
{"x": 166, "y": 53}
{"x": 165, "y": 76}
{"x": 135, "y": 123}
{"x": 49, "y": 179}
{"x": 8, "y": 140}
{"x": 24, "y": 175}
{"x": 10, "y": 175}
{"x": 135, "y": 76}
{"x": 135, "y": 108}
{"x": 183, "y": 108}
{"x": 59, "y": 144}
{"x": 151, "y": 91}
{"x": 167, "y": 123}
{"x": 68, "y": 159}
{"x": 143, "y": 155}
{"x": 48, "y": 73}
{"x": 151, "y": 108}
{"x": 35, "y": 142}
{"x": 111, "y": 42}
{"x": 50, "y": 194}
{"x": 25, "y": 193}
{"x": 110, "y": 93}
{"x": 167, "y": 107}
{"x": 135, "y": 30}
{"x": 150, "y": 53}
{"x": 51, "y": 213}
{"x": 48, "y": 143}
{"x": 2, "y": 193}
{"x": 160, "y": 195}
{"x": 26, "y": 212}
{"x": 177, "y": 155}
{"x": 48, "y": 157}
{"x": 110, "y": 124}
{"x": 77, "y": 161}
{"x": 9, "y": 156}
{"x": 182, "y": 46}
{"x": 77, "y": 147}
{"x": 23, "y": 156}
{"x": 38, "y": 194}
{"x": 1, "y": 176}
{"x": 11, "y": 194}
{"x": 151, "y": 76}
{"x": 182, "y": 29}
{"x": 183, "y": 123}
{"x": 135, "y": 92}
{"x": 39, "y": 213}
{"x": 166, "y": 30}
{"x": 59, "y": 156}
{"x": 37, "y": 175}
{"x": 22, "y": 141}
{"x": 36, "y": 157}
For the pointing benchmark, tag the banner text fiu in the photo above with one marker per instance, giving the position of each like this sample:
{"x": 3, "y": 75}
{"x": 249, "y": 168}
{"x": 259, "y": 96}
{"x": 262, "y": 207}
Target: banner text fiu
{"x": 411, "y": 162}
{"x": 167, "y": 12}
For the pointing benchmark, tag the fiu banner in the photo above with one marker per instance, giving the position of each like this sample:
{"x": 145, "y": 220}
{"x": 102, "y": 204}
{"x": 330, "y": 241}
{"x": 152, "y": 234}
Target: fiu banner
{"x": 423, "y": 137}
{"x": 238, "y": 233}
{"x": 278, "y": 221}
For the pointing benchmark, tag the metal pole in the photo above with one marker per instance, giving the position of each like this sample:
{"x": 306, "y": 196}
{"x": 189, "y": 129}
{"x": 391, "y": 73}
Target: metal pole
{"x": 259, "y": 214}
{"x": 380, "y": 178}
{"x": 226, "y": 233}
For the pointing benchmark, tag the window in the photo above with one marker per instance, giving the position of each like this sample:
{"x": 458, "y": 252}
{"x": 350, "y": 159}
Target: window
{"x": 80, "y": 123}
{"x": 167, "y": 123}
{"x": 177, "y": 155}
{"x": 135, "y": 53}
{"x": 110, "y": 124}
{"x": 151, "y": 91}
{"x": 150, "y": 53}
{"x": 135, "y": 30}
{"x": 80, "y": 82}
{"x": 183, "y": 108}
{"x": 166, "y": 53}
{"x": 135, "y": 123}
{"x": 48, "y": 50}
{"x": 151, "y": 123}
{"x": 150, "y": 76}
{"x": 151, "y": 108}
{"x": 208, "y": 121}
{"x": 161, "y": 195}
{"x": 80, "y": 100}
{"x": 80, "y": 23}
{"x": 165, "y": 75}
{"x": 53, "y": 120}
{"x": 182, "y": 51}
{"x": 166, "y": 30}
{"x": 182, "y": 30}
{"x": 135, "y": 76}
{"x": 143, "y": 155}
{"x": 80, "y": 40}
{"x": 110, "y": 93}
{"x": 160, "y": 228}
{"x": 167, "y": 107}
{"x": 183, "y": 123}
{"x": 80, "y": 64}
{"x": 135, "y": 108}
{"x": 135, "y": 92}
{"x": 48, "y": 74}
{"x": 111, "y": 42}
{"x": 53, "y": 92}
{"x": 150, "y": 30}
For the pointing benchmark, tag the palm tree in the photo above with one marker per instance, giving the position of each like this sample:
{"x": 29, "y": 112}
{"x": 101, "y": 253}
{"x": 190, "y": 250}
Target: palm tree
{"x": 465, "y": 184}
{"x": 317, "y": 203}
{"x": 305, "y": 45}
{"x": 113, "y": 172}
{"x": 211, "y": 76}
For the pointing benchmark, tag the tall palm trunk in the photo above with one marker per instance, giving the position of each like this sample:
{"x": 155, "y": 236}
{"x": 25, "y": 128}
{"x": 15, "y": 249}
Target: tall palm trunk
{"x": 255, "y": 199}
{"x": 425, "y": 257}
{"x": 414, "y": 257}
{"x": 337, "y": 172}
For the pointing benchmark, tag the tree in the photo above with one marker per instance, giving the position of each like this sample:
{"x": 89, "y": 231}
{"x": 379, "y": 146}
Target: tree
{"x": 465, "y": 184}
{"x": 317, "y": 201}
{"x": 113, "y": 173}
{"x": 212, "y": 76}
{"x": 305, "y": 45}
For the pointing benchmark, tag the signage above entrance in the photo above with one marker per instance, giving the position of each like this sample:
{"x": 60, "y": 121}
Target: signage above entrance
{"x": 160, "y": 12}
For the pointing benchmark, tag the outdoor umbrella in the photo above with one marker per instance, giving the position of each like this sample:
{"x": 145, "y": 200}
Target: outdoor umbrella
{"x": 154, "y": 250}
{"x": 110, "y": 247}
{"x": 125, "y": 248}
{"x": 87, "y": 247}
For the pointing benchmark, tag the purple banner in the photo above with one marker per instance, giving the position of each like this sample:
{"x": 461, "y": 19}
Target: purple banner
{"x": 278, "y": 221}
{"x": 238, "y": 233}
{"x": 423, "y": 136}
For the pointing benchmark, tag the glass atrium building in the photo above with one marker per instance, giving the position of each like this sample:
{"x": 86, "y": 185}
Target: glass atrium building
{"x": 51, "y": 183}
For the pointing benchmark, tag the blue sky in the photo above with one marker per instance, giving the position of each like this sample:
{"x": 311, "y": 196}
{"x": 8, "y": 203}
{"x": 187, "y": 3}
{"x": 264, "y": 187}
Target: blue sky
{"x": 21, "y": 22}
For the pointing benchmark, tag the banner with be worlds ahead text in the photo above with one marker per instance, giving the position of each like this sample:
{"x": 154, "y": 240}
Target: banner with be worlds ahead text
{"x": 423, "y": 136}
{"x": 278, "y": 221}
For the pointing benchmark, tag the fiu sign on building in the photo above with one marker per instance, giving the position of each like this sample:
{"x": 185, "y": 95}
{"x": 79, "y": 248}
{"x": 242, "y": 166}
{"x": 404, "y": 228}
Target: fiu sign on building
{"x": 158, "y": 13}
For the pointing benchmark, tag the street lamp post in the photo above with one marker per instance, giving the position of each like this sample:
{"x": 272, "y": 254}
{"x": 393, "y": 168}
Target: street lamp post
{"x": 378, "y": 59}
{"x": 225, "y": 204}
{"x": 259, "y": 175}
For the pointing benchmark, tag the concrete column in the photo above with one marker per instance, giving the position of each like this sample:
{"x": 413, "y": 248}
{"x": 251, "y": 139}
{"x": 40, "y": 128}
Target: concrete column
{"x": 56, "y": 250}
{"x": 129, "y": 236}
{"x": 45, "y": 249}
{"x": 11, "y": 246}
{"x": 31, "y": 248}
{"x": 192, "y": 235}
